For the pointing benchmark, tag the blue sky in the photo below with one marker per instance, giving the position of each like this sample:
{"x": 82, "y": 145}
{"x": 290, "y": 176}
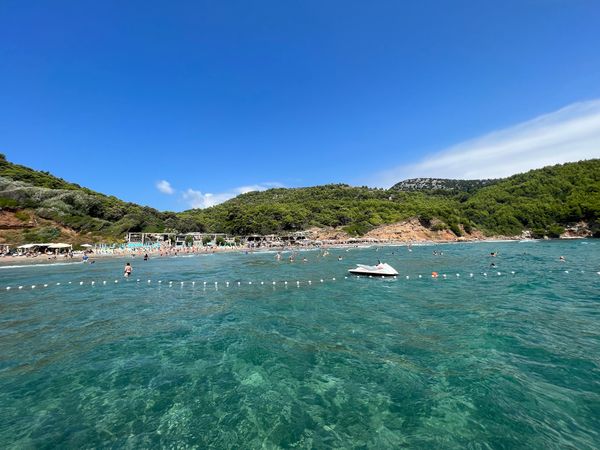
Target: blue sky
{"x": 217, "y": 98}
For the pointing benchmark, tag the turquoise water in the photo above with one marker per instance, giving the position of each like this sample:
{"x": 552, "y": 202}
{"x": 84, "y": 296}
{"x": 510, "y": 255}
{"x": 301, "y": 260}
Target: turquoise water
{"x": 503, "y": 361}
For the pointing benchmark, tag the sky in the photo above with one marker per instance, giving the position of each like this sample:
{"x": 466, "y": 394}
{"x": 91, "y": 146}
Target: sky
{"x": 186, "y": 104}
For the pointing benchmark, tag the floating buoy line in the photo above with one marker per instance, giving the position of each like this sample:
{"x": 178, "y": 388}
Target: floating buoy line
{"x": 232, "y": 284}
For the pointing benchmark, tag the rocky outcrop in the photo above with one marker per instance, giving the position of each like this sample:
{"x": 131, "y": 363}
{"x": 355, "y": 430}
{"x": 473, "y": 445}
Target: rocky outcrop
{"x": 578, "y": 230}
{"x": 327, "y": 234}
{"x": 413, "y": 231}
{"x": 410, "y": 230}
{"x": 10, "y": 220}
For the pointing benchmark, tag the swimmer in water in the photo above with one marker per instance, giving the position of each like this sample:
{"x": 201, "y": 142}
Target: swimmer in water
{"x": 562, "y": 259}
{"x": 127, "y": 270}
{"x": 339, "y": 258}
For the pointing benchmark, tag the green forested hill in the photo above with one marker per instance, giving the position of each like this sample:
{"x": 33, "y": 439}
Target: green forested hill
{"x": 539, "y": 200}
{"x": 75, "y": 207}
{"x": 357, "y": 209}
{"x": 441, "y": 185}
{"x": 543, "y": 201}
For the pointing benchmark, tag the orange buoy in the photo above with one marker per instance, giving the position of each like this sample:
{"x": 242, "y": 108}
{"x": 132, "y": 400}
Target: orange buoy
{"x": 434, "y": 274}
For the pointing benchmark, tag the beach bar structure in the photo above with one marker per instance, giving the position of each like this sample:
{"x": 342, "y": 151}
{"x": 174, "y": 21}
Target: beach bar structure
{"x": 52, "y": 247}
{"x": 173, "y": 239}
{"x": 277, "y": 240}
{"x": 158, "y": 240}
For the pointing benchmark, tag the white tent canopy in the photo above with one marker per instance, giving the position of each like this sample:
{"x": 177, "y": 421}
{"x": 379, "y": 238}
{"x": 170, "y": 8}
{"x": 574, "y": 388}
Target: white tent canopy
{"x": 86, "y": 245}
{"x": 28, "y": 246}
{"x": 59, "y": 245}
{"x": 47, "y": 245}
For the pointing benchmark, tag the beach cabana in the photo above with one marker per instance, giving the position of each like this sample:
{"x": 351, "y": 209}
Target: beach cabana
{"x": 26, "y": 248}
{"x": 59, "y": 247}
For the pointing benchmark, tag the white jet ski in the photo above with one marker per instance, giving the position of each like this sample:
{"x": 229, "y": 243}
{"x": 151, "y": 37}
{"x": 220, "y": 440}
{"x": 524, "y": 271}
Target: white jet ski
{"x": 380, "y": 270}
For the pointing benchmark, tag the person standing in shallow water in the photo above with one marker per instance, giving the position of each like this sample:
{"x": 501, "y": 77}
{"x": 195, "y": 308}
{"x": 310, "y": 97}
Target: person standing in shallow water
{"x": 127, "y": 270}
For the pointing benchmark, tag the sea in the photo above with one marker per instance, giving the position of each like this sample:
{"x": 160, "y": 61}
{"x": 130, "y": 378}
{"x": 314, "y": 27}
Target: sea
{"x": 245, "y": 351}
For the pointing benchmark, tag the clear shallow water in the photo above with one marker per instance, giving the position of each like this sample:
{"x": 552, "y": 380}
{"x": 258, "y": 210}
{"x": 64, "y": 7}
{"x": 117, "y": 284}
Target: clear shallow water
{"x": 489, "y": 362}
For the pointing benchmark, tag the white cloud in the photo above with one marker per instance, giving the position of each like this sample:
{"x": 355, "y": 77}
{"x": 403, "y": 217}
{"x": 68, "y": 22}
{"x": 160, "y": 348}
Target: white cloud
{"x": 569, "y": 134}
{"x": 165, "y": 187}
{"x": 197, "y": 199}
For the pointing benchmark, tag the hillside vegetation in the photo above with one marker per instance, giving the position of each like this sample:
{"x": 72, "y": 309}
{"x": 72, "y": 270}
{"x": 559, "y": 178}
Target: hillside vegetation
{"x": 543, "y": 201}
{"x": 69, "y": 205}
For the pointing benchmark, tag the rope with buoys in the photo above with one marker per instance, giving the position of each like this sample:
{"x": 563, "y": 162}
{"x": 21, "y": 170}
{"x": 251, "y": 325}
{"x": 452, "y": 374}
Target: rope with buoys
{"x": 126, "y": 281}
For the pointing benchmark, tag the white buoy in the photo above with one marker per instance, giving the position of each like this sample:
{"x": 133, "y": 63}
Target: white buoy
{"x": 33, "y": 286}
{"x": 512, "y": 272}
{"x": 69, "y": 282}
{"x": 104, "y": 282}
{"x": 182, "y": 283}
{"x": 159, "y": 281}
{"x": 471, "y": 275}
{"x": 309, "y": 282}
{"x": 333, "y": 279}
{"x": 116, "y": 281}
{"x": 20, "y": 287}
{"x": 45, "y": 285}
{"x": 58, "y": 284}
{"x": 262, "y": 282}
{"x": 194, "y": 283}
{"x": 227, "y": 284}
{"x": 80, "y": 283}
{"x": 566, "y": 271}
{"x": 274, "y": 283}
{"x": 249, "y": 282}
{"x": 8, "y": 288}
{"x": 239, "y": 283}
{"x": 321, "y": 280}
{"x": 297, "y": 283}
{"x": 205, "y": 283}
{"x": 149, "y": 281}
{"x": 407, "y": 277}
{"x": 484, "y": 274}
{"x": 93, "y": 283}
{"x": 345, "y": 278}
{"x": 216, "y": 282}
{"x": 420, "y": 276}
{"x": 444, "y": 275}
{"x": 458, "y": 275}
{"x": 395, "y": 277}
{"x": 138, "y": 280}
{"x": 499, "y": 273}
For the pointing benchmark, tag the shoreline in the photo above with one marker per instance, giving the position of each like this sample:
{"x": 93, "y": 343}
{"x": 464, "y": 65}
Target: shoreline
{"x": 44, "y": 260}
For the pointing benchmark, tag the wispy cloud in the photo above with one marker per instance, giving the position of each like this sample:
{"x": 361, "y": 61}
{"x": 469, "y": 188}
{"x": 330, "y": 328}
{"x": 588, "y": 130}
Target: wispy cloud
{"x": 165, "y": 187}
{"x": 569, "y": 134}
{"x": 199, "y": 199}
